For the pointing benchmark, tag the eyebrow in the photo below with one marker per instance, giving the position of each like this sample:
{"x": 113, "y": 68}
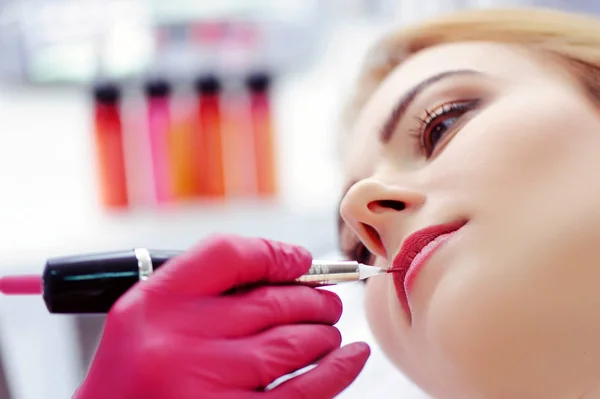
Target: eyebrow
{"x": 405, "y": 101}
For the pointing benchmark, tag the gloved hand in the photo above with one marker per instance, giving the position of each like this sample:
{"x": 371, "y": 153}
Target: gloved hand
{"x": 185, "y": 334}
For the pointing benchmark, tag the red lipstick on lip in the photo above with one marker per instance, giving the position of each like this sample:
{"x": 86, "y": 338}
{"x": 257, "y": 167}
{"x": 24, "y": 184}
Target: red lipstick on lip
{"x": 415, "y": 251}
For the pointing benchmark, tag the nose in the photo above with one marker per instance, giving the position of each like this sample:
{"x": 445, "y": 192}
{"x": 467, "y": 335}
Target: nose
{"x": 372, "y": 208}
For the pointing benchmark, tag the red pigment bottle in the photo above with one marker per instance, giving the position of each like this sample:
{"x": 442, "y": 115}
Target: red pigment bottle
{"x": 109, "y": 146}
{"x": 208, "y": 140}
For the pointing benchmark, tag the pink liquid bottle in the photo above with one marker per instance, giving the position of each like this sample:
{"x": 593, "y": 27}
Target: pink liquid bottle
{"x": 158, "y": 94}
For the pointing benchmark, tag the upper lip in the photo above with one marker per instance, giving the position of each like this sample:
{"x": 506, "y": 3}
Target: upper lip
{"x": 414, "y": 243}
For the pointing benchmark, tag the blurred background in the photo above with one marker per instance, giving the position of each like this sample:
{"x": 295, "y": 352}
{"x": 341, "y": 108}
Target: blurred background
{"x": 156, "y": 123}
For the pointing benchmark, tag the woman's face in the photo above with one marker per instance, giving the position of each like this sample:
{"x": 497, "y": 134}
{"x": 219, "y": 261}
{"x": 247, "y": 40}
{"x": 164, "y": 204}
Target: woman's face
{"x": 504, "y": 146}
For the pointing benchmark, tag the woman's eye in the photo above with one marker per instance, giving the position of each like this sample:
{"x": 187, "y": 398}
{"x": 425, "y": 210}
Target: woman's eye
{"x": 441, "y": 120}
{"x": 438, "y": 130}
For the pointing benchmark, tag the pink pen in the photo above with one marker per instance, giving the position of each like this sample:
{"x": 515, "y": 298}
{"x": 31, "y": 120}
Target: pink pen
{"x": 159, "y": 123}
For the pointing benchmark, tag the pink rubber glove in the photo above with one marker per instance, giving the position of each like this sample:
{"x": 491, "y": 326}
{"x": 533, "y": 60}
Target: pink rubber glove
{"x": 184, "y": 333}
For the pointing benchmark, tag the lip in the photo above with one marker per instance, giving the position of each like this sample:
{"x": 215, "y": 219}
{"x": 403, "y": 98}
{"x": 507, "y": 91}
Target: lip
{"x": 416, "y": 250}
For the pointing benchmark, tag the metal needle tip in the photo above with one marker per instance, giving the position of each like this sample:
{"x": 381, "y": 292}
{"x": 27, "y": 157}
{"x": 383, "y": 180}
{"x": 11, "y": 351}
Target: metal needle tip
{"x": 366, "y": 271}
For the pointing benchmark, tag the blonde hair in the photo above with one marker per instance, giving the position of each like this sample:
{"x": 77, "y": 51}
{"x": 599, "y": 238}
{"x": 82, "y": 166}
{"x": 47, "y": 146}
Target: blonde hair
{"x": 574, "y": 38}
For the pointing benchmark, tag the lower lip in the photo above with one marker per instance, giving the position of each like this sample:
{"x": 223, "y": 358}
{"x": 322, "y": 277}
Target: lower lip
{"x": 422, "y": 258}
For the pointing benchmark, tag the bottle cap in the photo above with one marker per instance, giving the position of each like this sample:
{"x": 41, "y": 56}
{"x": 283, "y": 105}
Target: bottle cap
{"x": 208, "y": 84}
{"x": 157, "y": 88}
{"x": 107, "y": 93}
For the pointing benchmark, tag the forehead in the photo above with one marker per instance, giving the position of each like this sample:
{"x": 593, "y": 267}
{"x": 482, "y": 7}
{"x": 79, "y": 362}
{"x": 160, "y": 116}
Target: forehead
{"x": 506, "y": 62}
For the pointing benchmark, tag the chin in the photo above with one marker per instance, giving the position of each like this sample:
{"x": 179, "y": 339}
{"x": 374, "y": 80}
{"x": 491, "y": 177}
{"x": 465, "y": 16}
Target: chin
{"x": 392, "y": 333}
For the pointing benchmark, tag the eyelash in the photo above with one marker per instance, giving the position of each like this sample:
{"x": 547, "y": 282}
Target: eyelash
{"x": 440, "y": 114}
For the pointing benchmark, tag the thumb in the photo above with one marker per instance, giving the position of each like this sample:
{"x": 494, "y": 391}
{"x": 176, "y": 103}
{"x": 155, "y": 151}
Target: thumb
{"x": 334, "y": 373}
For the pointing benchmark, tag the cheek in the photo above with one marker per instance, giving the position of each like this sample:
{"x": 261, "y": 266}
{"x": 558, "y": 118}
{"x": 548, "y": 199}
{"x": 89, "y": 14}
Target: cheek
{"x": 514, "y": 312}
{"x": 521, "y": 286}
{"x": 525, "y": 140}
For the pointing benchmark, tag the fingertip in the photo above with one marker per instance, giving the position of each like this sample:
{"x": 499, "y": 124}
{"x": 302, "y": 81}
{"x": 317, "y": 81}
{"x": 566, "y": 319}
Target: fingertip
{"x": 337, "y": 336}
{"x": 332, "y": 375}
{"x": 334, "y": 304}
{"x": 293, "y": 260}
{"x": 330, "y": 336}
{"x": 302, "y": 256}
{"x": 332, "y": 296}
{"x": 359, "y": 351}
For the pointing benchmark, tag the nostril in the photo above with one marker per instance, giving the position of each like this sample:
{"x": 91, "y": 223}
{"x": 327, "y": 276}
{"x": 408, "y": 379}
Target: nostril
{"x": 375, "y": 240}
{"x": 391, "y": 204}
{"x": 383, "y": 205}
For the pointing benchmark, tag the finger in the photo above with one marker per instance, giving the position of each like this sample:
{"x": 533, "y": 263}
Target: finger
{"x": 334, "y": 373}
{"x": 255, "y": 311}
{"x": 223, "y": 262}
{"x": 265, "y": 357}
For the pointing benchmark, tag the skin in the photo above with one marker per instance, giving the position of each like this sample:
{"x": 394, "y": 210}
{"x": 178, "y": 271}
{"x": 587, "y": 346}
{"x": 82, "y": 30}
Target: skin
{"x": 509, "y": 307}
